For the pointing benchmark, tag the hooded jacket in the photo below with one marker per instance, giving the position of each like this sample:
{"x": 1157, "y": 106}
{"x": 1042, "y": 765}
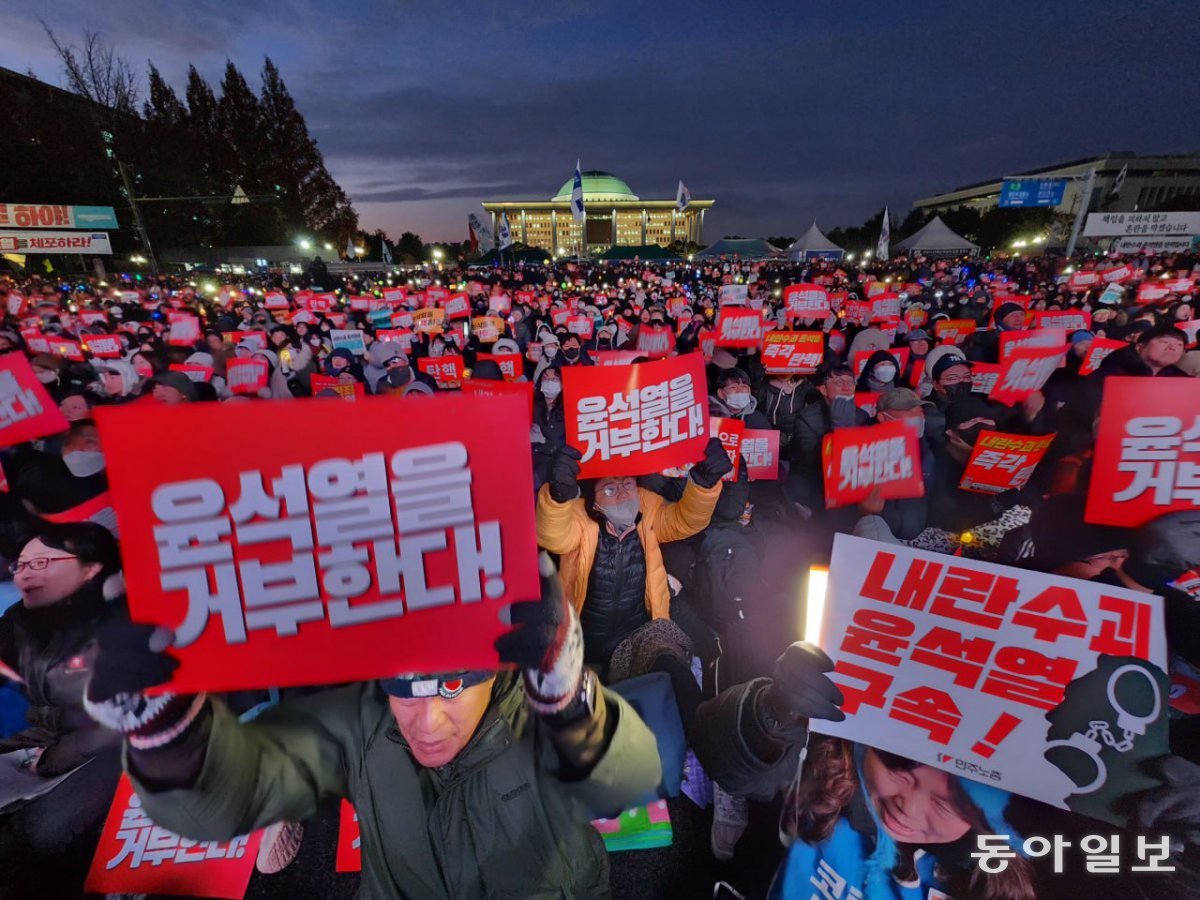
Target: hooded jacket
{"x": 567, "y": 530}
{"x": 750, "y": 414}
{"x": 782, "y": 407}
{"x": 502, "y": 819}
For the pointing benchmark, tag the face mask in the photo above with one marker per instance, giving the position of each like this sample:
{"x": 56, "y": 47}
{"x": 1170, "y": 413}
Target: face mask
{"x": 551, "y": 389}
{"x": 622, "y": 515}
{"x": 437, "y": 350}
{"x": 918, "y": 425}
{"x": 571, "y": 353}
{"x": 45, "y": 376}
{"x": 884, "y": 373}
{"x": 737, "y": 401}
{"x": 959, "y": 391}
{"x": 550, "y": 350}
{"x": 83, "y": 463}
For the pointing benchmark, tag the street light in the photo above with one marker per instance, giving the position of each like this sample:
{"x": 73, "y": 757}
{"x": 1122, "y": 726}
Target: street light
{"x": 437, "y": 253}
{"x": 305, "y": 244}
{"x": 328, "y": 246}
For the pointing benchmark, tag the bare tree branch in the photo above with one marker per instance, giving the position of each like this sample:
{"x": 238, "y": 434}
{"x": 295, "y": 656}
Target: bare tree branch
{"x": 97, "y": 72}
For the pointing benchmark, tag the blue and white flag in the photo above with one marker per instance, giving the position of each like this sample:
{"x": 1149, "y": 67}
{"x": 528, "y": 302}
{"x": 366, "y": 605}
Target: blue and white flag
{"x": 577, "y": 210}
{"x": 682, "y": 197}
{"x": 483, "y": 232}
{"x": 505, "y": 233}
{"x": 1120, "y": 181}
{"x": 387, "y": 251}
{"x": 885, "y": 237}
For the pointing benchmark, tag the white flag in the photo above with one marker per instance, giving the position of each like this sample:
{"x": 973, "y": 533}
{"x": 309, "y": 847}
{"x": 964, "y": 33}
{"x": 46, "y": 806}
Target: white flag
{"x": 483, "y": 232}
{"x": 885, "y": 237}
{"x": 505, "y": 233}
{"x": 577, "y": 209}
{"x": 387, "y": 251}
{"x": 682, "y": 197}
{"x": 1120, "y": 180}
{"x": 350, "y": 251}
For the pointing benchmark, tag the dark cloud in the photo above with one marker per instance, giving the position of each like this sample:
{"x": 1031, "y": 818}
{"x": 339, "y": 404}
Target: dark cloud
{"x": 780, "y": 112}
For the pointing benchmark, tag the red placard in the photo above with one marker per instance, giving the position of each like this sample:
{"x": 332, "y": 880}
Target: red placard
{"x": 983, "y": 377}
{"x": 1022, "y": 300}
{"x": 102, "y": 346}
{"x": 615, "y": 357}
{"x": 655, "y": 341}
{"x": 1099, "y": 348}
{"x": 428, "y": 516}
{"x": 915, "y": 373}
{"x": 899, "y": 354}
{"x": 394, "y": 296}
{"x": 198, "y": 374}
{"x": 1039, "y": 337}
{"x": 1152, "y": 291}
{"x": 435, "y": 295}
{"x": 858, "y": 311}
{"x": 1025, "y": 371}
{"x": 185, "y": 329}
{"x": 581, "y": 325}
{"x": 135, "y": 856}
{"x": 275, "y": 300}
{"x": 1180, "y": 285}
{"x": 729, "y": 432}
{"x": 792, "y": 352}
{"x": 510, "y": 364}
{"x": 66, "y": 348}
{"x": 1117, "y": 274}
{"x": 89, "y": 316}
{"x": 352, "y": 391}
{"x": 500, "y": 303}
{"x": 447, "y": 371}
{"x": 487, "y": 328}
{"x": 1147, "y": 460}
{"x": 807, "y": 301}
{"x": 559, "y": 317}
{"x": 246, "y": 376}
{"x": 322, "y": 303}
{"x": 257, "y": 338}
{"x": 458, "y": 306}
{"x": 859, "y": 460}
{"x": 885, "y": 306}
{"x": 1003, "y": 462}
{"x": 483, "y": 387}
{"x": 426, "y": 321}
{"x": 953, "y": 331}
{"x": 738, "y": 327}
{"x": 1081, "y": 281}
{"x": 35, "y": 341}
{"x": 402, "y": 320}
{"x": 633, "y": 420}
{"x": 1062, "y": 319}
{"x": 26, "y": 410}
{"x": 760, "y": 450}
{"x": 349, "y": 845}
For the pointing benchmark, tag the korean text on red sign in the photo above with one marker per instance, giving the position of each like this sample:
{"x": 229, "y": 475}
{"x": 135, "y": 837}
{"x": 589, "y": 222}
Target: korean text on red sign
{"x": 633, "y": 420}
{"x": 1003, "y": 462}
{"x": 26, "y": 410}
{"x": 960, "y": 664}
{"x": 792, "y": 352}
{"x": 135, "y": 856}
{"x": 807, "y": 301}
{"x": 859, "y": 460}
{"x": 1147, "y": 460}
{"x": 1025, "y": 371}
{"x": 738, "y": 327}
{"x": 760, "y": 450}
{"x": 281, "y": 562}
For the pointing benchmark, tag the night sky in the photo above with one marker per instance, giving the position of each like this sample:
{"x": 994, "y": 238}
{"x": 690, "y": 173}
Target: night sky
{"x": 782, "y": 112}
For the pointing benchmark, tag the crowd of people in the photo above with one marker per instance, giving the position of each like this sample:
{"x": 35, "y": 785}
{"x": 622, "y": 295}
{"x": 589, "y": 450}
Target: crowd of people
{"x": 691, "y": 578}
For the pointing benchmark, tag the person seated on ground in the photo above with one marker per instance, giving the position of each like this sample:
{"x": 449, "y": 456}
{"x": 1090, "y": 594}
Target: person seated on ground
{"x": 466, "y": 784}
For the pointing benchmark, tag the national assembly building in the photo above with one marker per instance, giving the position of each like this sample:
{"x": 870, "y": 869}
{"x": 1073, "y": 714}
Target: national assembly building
{"x": 616, "y": 216}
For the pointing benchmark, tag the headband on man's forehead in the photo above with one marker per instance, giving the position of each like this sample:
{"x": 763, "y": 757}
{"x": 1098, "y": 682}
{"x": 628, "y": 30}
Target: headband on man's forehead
{"x": 445, "y": 684}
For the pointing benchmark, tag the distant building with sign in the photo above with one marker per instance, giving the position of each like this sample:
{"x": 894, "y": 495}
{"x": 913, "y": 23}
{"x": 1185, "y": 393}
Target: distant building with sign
{"x": 616, "y": 216}
{"x": 1150, "y": 181}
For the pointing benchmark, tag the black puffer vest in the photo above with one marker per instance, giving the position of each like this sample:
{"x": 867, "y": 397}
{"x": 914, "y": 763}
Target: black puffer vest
{"x": 615, "y": 605}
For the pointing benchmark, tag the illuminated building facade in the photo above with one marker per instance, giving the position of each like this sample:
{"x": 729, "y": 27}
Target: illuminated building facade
{"x": 615, "y": 217}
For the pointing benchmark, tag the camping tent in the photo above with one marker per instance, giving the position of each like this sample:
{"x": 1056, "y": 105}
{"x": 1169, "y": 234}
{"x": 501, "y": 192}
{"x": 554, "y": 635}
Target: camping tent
{"x": 814, "y": 245}
{"x": 936, "y": 239}
{"x": 755, "y": 248}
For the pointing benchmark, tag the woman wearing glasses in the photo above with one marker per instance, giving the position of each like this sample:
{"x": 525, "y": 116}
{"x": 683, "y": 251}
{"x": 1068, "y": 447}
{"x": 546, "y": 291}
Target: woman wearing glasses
{"x": 47, "y": 832}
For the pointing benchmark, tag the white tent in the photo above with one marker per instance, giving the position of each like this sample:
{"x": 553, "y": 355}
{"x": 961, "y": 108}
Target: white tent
{"x": 936, "y": 239}
{"x": 813, "y": 243}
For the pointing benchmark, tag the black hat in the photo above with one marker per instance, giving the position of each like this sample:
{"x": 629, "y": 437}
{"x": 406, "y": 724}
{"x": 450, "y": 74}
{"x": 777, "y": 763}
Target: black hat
{"x": 947, "y": 362}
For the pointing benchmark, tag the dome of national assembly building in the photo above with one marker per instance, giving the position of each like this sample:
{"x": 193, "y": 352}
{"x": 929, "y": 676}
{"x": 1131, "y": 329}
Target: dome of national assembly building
{"x": 601, "y": 187}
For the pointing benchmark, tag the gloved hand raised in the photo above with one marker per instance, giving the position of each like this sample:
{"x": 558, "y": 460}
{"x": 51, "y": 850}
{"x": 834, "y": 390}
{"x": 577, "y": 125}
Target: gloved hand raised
{"x": 564, "y": 474}
{"x": 713, "y": 467}
{"x": 800, "y": 690}
{"x": 547, "y": 644}
{"x": 131, "y": 659}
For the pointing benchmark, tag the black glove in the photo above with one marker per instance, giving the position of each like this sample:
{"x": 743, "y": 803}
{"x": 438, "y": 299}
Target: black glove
{"x": 713, "y": 467}
{"x": 1173, "y": 808}
{"x": 564, "y": 474}
{"x": 547, "y": 643}
{"x": 800, "y": 690}
{"x": 131, "y": 659}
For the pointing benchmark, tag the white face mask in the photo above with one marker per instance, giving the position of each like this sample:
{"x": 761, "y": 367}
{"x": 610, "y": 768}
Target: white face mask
{"x": 551, "y": 389}
{"x": 622, "y": 515}
{"x": 45, "y": 376}
{"x": 737, "y": 401}
{"x": 83, "y": 463}
{"x": 884, "y": 372}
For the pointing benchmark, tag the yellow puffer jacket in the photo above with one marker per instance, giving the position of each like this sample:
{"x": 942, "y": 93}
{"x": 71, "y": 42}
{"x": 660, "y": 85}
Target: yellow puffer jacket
{"x": 567, "y": 529}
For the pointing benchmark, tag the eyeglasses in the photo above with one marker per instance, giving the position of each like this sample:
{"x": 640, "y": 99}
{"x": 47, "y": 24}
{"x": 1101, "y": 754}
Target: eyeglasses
{"x": 37, "y": 564}
{"x": 619, "y": 487}
{"x": 955, "y": 379}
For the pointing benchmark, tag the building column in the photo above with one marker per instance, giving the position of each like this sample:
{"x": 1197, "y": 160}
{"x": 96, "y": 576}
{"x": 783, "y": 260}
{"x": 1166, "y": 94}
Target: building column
{"x": 524, "y": 236}
{"x": 645, "y": 218}
{"x": 554, "y": 233}
{"x": 700, "y": 230}
{"x": 495, "y": 229}
{"x": 615, "y": 240}
{"x": 673, "y": 217}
